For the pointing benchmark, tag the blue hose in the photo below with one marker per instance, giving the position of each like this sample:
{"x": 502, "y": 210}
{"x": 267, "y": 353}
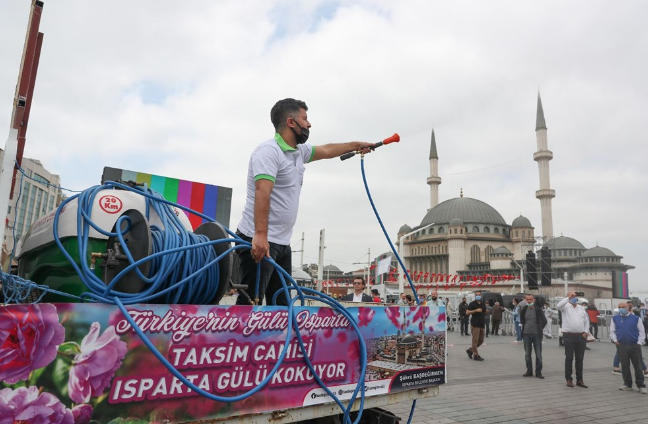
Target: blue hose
{"x": 184, "y": 268}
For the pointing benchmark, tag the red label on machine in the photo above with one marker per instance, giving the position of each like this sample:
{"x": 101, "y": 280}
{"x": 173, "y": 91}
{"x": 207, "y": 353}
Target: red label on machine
{"x": 110, "y": 204}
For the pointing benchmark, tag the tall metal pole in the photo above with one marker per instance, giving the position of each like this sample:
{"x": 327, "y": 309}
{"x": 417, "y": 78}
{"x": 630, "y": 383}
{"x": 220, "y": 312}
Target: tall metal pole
{"x": 320, "y": 263}
{"x": 22, "y": 106}
{"x": 368, "y": 265}
{"x": 301, "y": 261}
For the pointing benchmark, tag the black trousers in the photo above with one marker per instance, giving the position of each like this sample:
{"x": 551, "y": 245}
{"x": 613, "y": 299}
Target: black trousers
{"x": 270, "y": 282}
{"x": 594, "y": 329}
{"x": 464, "y": 324}
{"x": 574, "y": 348}
{"x": 631, "y": 354}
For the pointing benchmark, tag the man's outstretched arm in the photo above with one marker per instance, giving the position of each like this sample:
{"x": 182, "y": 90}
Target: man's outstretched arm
{"x": 333, "y": 150}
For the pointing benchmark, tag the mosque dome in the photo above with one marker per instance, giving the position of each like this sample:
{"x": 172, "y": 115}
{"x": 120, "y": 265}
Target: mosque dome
{"x": 456, "y": 222}
{"x": 408, "y": 339}
{"x": 404, "y": 229}
{"x": 331, "y": 268}
{"x": 521, "y": 221}
{"x": 563, "y": 242}
{"x": 598, "y": 251}
{"x": 468, "y": 210}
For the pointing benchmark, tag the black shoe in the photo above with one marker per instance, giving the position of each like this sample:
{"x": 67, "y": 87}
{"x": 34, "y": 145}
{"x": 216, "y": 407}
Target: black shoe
{"x": 478, "y": 358}
{"x": 587, "y": 348}
{"x": 527, "y": 374}
{"x": 469, "y": 352}
{"x": 540, "y": 376}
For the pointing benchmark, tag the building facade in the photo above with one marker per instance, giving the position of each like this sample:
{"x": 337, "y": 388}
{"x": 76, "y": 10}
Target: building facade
{"x": 467, "y": 237}
{"x": 33, "y": 198}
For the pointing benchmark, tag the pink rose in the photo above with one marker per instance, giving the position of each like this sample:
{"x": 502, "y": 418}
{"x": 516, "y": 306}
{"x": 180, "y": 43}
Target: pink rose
{"x": 95, "y": 366}
{"x": 29, "y": 338}
{"x": 82, "y": 413}
{"x": 26, "y": 406}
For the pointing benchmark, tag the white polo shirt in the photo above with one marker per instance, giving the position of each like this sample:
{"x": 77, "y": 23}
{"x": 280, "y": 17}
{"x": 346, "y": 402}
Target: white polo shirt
{"x": 276, "y": 161}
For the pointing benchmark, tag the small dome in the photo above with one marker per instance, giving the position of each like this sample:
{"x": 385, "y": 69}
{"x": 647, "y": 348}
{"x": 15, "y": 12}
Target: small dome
{"x": 502, "y": 250}
{"x": 563, "y": 242}
{"x": 598, "y": 251}
{"x": 404, "y": 229}
{"x": 456, "y": 222}
{"x": 521, "y": 221}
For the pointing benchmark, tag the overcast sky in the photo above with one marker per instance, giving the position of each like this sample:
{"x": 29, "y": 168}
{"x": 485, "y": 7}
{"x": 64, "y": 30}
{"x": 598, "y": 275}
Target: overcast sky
{"x": 185, "y": 89}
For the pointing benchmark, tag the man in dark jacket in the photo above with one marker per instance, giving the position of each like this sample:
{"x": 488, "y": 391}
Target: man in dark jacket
{"x": 358, "y": 294}
{"x": 463, "y": 317}
{"x": 533, "y": 320}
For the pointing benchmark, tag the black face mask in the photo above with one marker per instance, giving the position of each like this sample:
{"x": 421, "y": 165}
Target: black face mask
{"x": 301, "y": 138}
{"x": 434, "y": 298}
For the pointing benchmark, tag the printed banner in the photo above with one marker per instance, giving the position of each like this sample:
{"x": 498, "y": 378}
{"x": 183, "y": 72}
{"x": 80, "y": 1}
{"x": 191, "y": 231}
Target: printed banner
{"x": 82, "y": 362}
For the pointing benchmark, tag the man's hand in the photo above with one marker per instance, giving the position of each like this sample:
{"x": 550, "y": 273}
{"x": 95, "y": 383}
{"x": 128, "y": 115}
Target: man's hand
{"x": 260, "y": 248}
{"x": 478, "y": 310}
{"x": 584, "y": 334}
{"x": 365, "y": 147}
{"x": 571, "y": 295}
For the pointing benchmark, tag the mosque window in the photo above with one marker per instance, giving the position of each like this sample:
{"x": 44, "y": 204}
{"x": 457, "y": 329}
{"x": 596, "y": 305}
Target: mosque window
{"x": 487, "y": 230}
{"x": 455, "y": 231}
{"x": 462, "y": 231}
{"x": 517, "y": 234}
{"x": 475, "y": 229}
{"x": 523, "y": 233}
{"x": 496, "y": 230}
{"x": 431, "y": 230}
{"x": 488, "y": 252}
{"x": 441, "y": 230}
{"x": 475, "y": 254}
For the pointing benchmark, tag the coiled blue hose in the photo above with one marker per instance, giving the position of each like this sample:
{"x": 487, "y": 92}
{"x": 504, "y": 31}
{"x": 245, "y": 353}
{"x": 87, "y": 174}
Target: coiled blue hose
{"x": 187, "y": 283}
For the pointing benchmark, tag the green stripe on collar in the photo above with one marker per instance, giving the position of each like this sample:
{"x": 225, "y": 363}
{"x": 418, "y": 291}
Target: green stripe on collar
{"x": 282, "y": 144}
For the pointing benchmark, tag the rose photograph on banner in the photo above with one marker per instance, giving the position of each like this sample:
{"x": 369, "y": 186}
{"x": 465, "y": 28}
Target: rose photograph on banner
{"x": 83, "y": 363}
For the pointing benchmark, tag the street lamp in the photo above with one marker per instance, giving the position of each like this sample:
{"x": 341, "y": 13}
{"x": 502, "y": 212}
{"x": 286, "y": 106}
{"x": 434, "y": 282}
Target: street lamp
{"x": 401, "y": 283}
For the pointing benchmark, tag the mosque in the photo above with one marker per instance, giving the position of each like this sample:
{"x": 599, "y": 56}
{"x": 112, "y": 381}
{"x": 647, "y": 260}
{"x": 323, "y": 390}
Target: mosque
{"x": 469, "y": 238}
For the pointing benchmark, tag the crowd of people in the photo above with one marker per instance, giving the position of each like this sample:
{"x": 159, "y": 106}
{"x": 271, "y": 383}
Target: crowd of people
{"x": 578, "y": 326}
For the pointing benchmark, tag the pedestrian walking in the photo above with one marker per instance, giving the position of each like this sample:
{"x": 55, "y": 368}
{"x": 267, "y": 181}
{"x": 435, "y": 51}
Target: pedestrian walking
{"x": 477, "y": 312}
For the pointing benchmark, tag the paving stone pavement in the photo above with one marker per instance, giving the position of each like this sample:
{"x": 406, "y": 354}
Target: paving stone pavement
{"x": 494, "y": 391}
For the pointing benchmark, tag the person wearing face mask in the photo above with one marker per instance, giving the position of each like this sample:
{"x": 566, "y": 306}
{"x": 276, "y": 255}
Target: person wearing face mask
{"x": 627, "y": 333}
{"x": 274, "y": 182}
{"x": 477, "y": 312}
{"x": 575, "y": 327}
{"x": 533, "y": 321}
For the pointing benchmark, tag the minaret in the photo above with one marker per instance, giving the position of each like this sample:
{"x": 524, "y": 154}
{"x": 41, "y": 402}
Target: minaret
{"x": 434, "y": 180}
{"x": 543, "y": 156}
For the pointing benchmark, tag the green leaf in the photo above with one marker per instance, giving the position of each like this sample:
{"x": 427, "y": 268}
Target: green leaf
{"x": 69, "y": 348}
{"x": 128, "y": 421}
{"x": 60, "y": 375}
{"x": 34, "y": 376}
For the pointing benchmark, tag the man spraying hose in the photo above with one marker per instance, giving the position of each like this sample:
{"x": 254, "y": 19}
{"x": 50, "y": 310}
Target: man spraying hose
{"x": 274, "y": 181}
